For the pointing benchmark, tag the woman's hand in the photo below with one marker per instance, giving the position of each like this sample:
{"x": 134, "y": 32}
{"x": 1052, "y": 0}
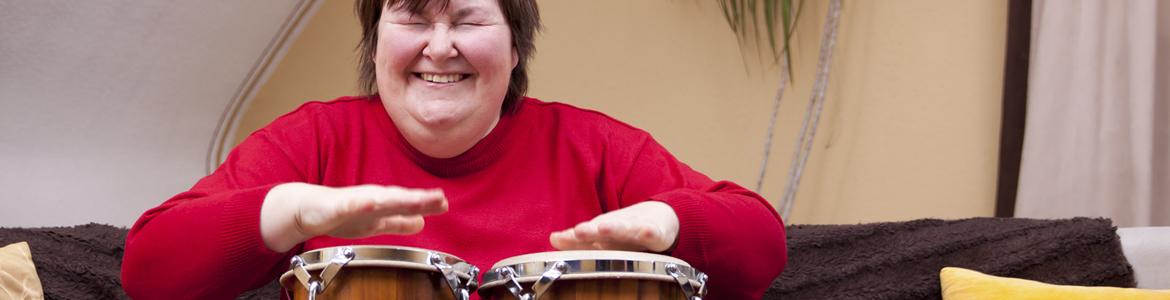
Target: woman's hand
{"x": 295, "y": 212}
{"x": 647, "y": 226}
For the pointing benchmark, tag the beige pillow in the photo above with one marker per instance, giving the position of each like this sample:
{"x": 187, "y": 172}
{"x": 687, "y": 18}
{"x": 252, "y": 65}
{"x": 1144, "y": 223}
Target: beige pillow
{"x": 18, "y": 276}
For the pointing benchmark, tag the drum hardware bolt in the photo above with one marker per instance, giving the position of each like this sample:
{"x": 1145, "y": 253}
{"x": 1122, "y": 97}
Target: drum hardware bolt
{"x": 513, "y": 285}
{"x": 702, "y": 284}
{"x": 314, "y": 289}
{"x": 473, "y": 273}
{"x": 461, "y": 291}
{"x": 346, "y": 254}
{"x": 546, "y": 280}
{"x": 684, "y": 282}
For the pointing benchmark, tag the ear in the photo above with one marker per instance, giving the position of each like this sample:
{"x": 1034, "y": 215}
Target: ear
{"x": 515, "y": 58}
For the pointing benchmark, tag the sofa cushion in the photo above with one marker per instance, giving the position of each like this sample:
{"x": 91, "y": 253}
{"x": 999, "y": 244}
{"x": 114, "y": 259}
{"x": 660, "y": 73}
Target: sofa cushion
{"x": 1148, "y": 250}
{"x": 18, "y": 275}
{"x": 963, "y": 284}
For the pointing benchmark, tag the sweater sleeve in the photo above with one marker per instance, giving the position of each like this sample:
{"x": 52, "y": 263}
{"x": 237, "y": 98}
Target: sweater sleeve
{"x": 205, "y": 243}
{"x": 728, "y": 232}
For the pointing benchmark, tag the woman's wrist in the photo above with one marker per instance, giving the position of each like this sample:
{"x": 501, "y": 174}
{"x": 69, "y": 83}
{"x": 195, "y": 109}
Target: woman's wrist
{"x": 280, "y": 225}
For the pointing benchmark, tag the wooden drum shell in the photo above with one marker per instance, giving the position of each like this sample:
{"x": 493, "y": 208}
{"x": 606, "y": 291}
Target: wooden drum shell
{"x": 600, "y": 289}
{"x": 364, "y": 283}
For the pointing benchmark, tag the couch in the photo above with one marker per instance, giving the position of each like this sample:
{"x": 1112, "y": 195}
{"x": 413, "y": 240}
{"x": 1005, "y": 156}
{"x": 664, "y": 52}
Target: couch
{"x": 894, "y": 260}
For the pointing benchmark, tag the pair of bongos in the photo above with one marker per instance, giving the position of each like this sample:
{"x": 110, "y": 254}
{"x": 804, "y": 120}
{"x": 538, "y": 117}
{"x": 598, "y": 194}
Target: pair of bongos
{"x": 391, "y": 272}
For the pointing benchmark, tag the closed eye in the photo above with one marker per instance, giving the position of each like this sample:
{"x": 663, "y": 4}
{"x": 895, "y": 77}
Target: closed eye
{"x": 414, "y": 20}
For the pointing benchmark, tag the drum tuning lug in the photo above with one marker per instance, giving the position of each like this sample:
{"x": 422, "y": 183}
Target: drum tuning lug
{"x": 550, "y": 275}
{"x": 299, "y": 270}
{"x": 302, "y": 275}
{"x": 339, "y": 260}
{"x": 461, "y": 291}
{"x": 513, "y": 285}
{"x": 684, "y": 282}
{"x": 317, "y": 284}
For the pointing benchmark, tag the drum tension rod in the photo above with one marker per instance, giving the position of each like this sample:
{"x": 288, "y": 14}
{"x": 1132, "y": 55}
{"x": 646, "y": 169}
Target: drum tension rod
{"x": 317, "y": 285}
{"x": 685, "y": 282}
{"x": 462, "y": 291}
{"x": 539, "y": 288}
{"x": 546, "y": 280}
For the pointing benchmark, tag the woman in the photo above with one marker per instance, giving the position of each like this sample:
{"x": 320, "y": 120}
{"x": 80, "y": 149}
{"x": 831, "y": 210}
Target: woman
{"x": 447, "y": 154}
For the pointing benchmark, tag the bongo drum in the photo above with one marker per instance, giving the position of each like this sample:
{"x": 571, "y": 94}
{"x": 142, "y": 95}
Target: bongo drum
{"x": 378, "y": 272}
{"x": 593, "y": 275}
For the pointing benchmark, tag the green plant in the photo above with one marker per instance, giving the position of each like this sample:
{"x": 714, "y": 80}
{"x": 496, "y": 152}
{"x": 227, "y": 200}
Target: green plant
{"x": 743, "y": 16}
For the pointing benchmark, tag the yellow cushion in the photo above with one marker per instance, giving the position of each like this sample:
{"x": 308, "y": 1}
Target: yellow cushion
{"x": 18, "y": 276}
{"x": 963, "y": 284}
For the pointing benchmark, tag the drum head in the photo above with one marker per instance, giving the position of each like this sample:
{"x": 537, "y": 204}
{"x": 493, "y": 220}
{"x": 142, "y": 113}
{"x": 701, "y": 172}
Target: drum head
{"x": 590, "y": 264}
{"x": 587, "y": 255}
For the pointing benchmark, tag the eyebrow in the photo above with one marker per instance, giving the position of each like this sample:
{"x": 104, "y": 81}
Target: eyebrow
{"x": 457, "y": 14}
{"x": 464, "y": 12}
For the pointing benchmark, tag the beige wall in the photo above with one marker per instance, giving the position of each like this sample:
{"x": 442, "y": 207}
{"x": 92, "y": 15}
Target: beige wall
{"x": 319, "y": 65}
{"x": 910, "y": 129}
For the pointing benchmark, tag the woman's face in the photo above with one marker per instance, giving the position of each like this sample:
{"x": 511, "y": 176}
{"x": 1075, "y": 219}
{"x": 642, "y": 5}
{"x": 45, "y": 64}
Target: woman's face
{"x": 443, "y": 73}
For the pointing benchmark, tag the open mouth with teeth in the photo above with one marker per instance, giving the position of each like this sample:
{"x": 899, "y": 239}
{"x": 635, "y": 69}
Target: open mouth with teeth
{"x": 441, "y": 78}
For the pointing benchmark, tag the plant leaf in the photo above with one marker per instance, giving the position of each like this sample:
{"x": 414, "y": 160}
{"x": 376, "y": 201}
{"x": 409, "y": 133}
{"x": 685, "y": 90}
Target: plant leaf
{"x": 788, "y": 23}
{"x": 769, "y": 20}
{"x": 738, "y": 14}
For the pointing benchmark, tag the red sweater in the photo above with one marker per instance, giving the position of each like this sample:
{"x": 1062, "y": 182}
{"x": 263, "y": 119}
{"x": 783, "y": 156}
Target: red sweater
{"x": 544, "y": 168}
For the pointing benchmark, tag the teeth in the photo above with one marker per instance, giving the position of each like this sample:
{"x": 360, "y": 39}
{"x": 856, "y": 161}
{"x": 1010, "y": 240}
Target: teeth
{"x": 441, "y": 78}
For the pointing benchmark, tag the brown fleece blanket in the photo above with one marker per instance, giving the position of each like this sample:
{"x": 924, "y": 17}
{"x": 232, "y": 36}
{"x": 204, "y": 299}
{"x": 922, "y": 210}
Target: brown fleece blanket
{"x": 85, "y": 261}
{"x": 868, "y": 261}
{"x": 81, "y": 262}
{"x": 902, "y": 260}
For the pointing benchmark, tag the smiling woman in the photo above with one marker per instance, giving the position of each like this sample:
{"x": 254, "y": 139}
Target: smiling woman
{"x": 446, "y": 153}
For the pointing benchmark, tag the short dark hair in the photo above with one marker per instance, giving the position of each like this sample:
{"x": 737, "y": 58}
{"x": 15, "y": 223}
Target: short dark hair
{"x": 523, "y": 19}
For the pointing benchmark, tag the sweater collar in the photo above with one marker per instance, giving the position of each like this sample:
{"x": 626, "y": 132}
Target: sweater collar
{"x": 479, "y": 157}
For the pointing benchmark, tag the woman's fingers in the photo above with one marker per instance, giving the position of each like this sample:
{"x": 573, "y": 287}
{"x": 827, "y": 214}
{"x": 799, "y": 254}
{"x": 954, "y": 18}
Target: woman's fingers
{"x": 400, "y": 225}
{"x": 368, "y": 226}
{"x": 649, "y": 225}
{"x": 566, "y": 240}
{"x": 626, "y": 236}
{"x": 361, "y": 211}
{"x": 384, "y": 201}
{"x": 604, "y": 235}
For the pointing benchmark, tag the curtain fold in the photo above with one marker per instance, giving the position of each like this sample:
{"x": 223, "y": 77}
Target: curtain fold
{"x": 1096, "y": 137}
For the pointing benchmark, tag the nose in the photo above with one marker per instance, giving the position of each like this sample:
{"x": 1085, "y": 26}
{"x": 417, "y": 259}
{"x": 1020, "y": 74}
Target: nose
{"x": 440, "y": 47}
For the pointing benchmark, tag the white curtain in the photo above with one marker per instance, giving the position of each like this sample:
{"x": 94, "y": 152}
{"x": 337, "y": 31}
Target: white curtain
{"x": 1097, "y": 137}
